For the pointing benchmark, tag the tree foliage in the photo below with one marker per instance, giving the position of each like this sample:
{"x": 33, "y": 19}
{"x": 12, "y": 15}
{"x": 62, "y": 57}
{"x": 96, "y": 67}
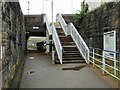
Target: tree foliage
{"x": 84, "y": 11}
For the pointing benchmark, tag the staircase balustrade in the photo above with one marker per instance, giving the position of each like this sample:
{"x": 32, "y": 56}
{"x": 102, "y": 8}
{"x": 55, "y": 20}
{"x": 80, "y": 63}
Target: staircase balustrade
{"x": 81, "y": 45}
{"x": 52, "y": 31}
{"x": 62, "y": 23}
{"x": 57, "y": 43}
{"x": 69, "y": 29}
{"x": 48, "y": 23}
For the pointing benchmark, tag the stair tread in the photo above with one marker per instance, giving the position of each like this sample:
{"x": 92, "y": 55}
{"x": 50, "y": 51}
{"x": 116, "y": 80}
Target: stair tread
{"x": 69, "y": 45}
{"x": 69, "y": 55}
{"x": 57, "y": 25}
{"x": 72, "y": 53}
{"x": 69, "y": 58}
{"x": 72, "y": 61}
{"x": 68, "y": 42}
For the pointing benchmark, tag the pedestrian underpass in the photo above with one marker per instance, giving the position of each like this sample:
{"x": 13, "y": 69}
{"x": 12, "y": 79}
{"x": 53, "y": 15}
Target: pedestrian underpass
{"x": 24, "y": 67}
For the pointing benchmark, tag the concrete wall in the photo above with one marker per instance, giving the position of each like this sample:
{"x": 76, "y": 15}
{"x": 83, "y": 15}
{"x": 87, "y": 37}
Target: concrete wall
{"x": 13, "y": 40}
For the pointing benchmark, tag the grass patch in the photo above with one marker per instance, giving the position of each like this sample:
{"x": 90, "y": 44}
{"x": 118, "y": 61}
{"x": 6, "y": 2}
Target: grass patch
{"x": 98, "y": 61}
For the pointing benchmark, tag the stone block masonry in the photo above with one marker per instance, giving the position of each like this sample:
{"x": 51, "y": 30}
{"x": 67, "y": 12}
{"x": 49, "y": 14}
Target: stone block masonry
{"x": 103, "y": 19}
{"x": 13, "y": 40}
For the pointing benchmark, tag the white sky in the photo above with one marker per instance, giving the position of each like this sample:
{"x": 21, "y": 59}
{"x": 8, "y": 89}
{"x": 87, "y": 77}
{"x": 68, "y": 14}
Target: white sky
{"x": 60, "y": 6}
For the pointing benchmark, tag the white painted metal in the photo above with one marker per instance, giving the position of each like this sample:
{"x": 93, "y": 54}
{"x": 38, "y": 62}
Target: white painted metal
{"x": 110, "y": 44}
{"x": 48, "y": 32}
{"x": 63, "y": 24}
{"x": 81, "y": 45}
{"x": 57, "y": 43}
{"x": 52, "y": 31}
{"x": 48, "y": 23}
{"x": 93, "y": 59}
{"x": 69, "y": 29}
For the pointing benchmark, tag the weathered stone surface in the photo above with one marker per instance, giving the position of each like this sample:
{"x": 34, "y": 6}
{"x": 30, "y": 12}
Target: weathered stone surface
{"x": 13, "y": 40}
{"x": 103, "y": 19}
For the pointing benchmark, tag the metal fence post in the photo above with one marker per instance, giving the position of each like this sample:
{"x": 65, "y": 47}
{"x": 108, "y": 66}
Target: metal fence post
{"x": 119, "y": 71}
{"x": 115, "y": 64}
{"x": 103, "y": 62}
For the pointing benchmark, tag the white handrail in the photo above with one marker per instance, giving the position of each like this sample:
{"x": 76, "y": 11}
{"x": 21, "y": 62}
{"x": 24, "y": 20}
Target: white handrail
{"x": 98, "y": 58}
{"x": 69, "y": 29}
{"x": 63, "y": 24}
{"x": 46, "y": 20}
{"x": 81, "y": 45}
{"x": 57, "y": 43}
{"x": 52, "y": 31}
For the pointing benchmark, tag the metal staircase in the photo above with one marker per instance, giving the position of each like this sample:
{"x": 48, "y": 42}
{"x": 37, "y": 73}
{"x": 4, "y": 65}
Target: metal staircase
{"x": 70, "y": 52}
{"x": 69, "y": 45}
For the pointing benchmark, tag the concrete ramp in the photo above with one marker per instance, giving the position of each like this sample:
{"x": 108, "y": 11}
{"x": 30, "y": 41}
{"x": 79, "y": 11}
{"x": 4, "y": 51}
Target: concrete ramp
{"x": 47, "y": 75}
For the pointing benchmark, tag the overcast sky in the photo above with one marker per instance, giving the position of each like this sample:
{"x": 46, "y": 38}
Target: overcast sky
{"x": 60, "y": 6}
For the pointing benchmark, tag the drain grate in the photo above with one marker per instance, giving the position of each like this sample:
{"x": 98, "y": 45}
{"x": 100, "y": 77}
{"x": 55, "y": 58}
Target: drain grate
{"x": 77, "y": 68}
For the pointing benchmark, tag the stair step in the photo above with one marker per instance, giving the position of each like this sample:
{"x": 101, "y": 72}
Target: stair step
{"x": 72, "y": 52}
{"x": 57, "y": 25}
{"x": 61, "y": 34}
{"x": 69, "y": 46}
{"x": 70, "y": 49}
{"x": 72, "y": 58}
{"x": 70, "y": 55}
{"x": 65, "y": 39}
{"x": 72, "y": 61}
{"x": 68, "y": 43}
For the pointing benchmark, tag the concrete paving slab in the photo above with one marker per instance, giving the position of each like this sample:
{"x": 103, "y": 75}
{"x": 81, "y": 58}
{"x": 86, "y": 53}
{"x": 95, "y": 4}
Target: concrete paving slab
{"x": 48, "y": 75}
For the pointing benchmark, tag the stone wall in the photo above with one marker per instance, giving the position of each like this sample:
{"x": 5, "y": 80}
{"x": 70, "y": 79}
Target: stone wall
{"x": 0, "y": 47}
{"x": 103, "y": 19}
{"x": 13, "y": 40}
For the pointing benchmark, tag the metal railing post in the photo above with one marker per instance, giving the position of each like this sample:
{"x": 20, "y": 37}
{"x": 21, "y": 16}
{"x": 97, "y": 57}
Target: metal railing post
{"x": 103, "y": 62}
{"x": 115, "y": 64}
{"x": 119, "y": 71}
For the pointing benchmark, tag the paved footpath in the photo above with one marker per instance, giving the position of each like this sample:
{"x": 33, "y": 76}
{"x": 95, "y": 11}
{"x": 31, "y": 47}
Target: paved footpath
{"x": 48, "y": 75}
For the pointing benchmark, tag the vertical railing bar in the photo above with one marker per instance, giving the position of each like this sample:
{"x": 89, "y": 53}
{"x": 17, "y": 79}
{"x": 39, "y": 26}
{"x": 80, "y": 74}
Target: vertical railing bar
{"x": 114, "y": 64}
{"x": 103, "y": 62}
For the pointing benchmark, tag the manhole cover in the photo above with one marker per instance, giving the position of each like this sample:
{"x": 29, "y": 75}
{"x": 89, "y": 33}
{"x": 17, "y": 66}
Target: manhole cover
{"x": 77, "y": 68}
